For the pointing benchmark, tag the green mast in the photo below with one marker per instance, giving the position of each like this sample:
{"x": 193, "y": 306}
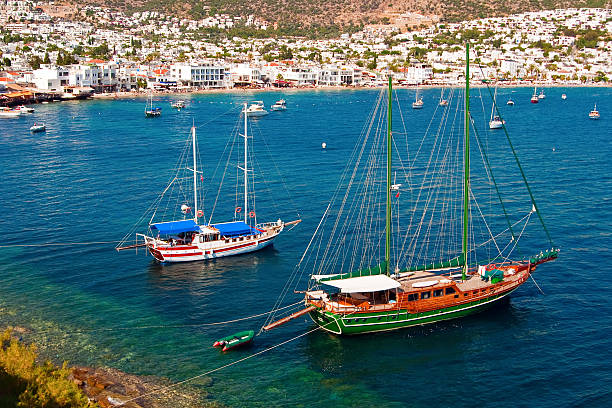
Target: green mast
{"x": 466, "y": 161}
{"x": 388, "y": 223}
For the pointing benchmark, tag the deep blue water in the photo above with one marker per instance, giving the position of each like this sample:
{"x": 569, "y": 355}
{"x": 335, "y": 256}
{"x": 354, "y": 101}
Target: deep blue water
{"x": 101, "y": 163}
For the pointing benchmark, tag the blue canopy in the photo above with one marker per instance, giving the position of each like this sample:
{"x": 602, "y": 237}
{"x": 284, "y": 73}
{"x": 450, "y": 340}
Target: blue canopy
{"x": 175, "y": 227}
{"x": 234, "y": 229}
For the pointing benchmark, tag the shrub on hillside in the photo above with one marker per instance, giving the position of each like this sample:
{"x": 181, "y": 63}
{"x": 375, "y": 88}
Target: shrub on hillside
{"x": 26, "y": 383}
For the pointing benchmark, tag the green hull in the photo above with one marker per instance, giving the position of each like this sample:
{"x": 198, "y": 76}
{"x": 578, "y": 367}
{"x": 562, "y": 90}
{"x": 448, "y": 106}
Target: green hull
{"x": 393, "y": 320}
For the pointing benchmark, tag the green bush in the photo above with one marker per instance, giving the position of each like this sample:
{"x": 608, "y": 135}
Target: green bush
{"x": 26, "y": 383}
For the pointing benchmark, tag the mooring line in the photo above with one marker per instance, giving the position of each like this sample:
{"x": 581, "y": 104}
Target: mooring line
{"x": 59, "y": 244}
{"x": 178, "y": 326}
{"x": 227, "y": 365}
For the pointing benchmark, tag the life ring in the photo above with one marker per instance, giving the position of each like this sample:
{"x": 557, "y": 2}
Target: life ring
{"x": 238, "y": 209}
{"x": 252, "y": 214}
{"x": 200, "y": 213}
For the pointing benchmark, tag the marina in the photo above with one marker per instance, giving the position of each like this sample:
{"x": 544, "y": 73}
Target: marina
{"x": 101, "y": 163}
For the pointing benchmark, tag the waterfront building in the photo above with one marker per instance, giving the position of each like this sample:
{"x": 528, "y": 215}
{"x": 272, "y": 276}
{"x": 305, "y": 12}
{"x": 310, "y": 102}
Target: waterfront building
{"x": 204, "y": 75}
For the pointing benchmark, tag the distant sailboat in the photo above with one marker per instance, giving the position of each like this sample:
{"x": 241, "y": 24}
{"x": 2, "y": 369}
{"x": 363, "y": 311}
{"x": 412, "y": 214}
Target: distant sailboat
{"x": 150, "y": 111}
{"x": 594, "y": 114}
{"x": 418, "y": 101}
{"x": 534, "y": 97}
{"x": 495, "y": 122}
{"x": 443, "y": 102}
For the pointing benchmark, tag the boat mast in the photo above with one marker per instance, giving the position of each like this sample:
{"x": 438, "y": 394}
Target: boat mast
{"x": 246, "y": 178}
{"x": 195, "y": 177}
{"x": 388, "y": 221}
{"x": 466, "y": 161}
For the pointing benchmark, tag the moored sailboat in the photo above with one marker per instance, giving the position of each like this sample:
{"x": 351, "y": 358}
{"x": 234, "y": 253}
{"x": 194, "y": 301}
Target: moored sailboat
{"x": 191, "y": 238}
{"x": 349, "y": 294}
{"x": 150, "y": 111}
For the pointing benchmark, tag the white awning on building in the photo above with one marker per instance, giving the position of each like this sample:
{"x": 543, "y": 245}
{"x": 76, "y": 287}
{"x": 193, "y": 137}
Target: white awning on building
{"x": 371, "y": 283}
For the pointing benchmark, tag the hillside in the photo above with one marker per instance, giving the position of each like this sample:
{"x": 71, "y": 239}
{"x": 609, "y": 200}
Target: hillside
{"x": 296, "y": 15}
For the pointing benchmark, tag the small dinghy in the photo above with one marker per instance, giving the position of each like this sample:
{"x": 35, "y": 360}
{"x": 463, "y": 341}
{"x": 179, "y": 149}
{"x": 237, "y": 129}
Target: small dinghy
{"x": 235, "y": 340}
{"x": 38, "y": 127}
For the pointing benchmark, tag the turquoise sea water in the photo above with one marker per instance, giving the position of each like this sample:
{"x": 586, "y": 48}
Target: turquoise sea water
{"x": 101, "y": 163}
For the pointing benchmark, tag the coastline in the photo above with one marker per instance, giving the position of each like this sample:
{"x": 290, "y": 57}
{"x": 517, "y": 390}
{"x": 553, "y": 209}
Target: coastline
{"x": 108, "y": 386}
{"x": 246, "y": 91}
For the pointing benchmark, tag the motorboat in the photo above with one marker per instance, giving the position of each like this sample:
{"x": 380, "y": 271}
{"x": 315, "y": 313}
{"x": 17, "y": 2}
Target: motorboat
{"x": 38, "y": 127}
{"x": 178, "y": 104}
{"x": 24, "y": 109}
{"x": 279, "y": 105}
{"x": 255, "y": 109}
{"x": 594, "y": 114}
{"x": 564, "y": 96}
{"x": 541, "y": 95}
{"x": 9, "y": 113}
{"x": 496, "y": 122}
{"x": 510, "y": 102}
{"x": 418, "y": 104}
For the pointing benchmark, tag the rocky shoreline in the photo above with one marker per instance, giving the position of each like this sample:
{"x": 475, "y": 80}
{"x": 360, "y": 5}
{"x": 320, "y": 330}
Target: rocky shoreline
{"x": 109, "y": 387}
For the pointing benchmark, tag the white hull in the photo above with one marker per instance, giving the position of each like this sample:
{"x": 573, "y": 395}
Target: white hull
{"x": 167, "y": 252}
{"x": 494, "y": 124}
{"x": 278, "y": 108}
{"x": 10, "y": 114}
{"x": 254, "y": 114}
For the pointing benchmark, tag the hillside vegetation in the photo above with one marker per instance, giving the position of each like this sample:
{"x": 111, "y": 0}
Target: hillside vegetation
{"x": 26, "y": 383}
{"x": 291, "y": 14}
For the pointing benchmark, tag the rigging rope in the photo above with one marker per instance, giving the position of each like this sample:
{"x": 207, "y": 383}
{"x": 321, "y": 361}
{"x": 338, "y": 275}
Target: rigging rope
{"x": 518, "y": 163}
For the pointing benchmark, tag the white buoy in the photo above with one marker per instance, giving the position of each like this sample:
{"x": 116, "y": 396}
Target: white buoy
{"x": 323, "y": 145}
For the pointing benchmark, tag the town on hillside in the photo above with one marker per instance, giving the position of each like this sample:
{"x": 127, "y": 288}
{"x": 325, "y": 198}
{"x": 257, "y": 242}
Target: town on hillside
{"x": 52, "y": 51}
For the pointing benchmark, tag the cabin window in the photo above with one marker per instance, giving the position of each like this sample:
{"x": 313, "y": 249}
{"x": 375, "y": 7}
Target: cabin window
{"x": 425, "y": 295}
{"x": 475, "y": 292}
{"x": 413, "y": 297}
{"x": 438, "y": 292}
{"x": 201, "y": 238}
{"x": 450, "y": 291}
{"x": 242, "y": 238}
{"x": 227, "y": 241}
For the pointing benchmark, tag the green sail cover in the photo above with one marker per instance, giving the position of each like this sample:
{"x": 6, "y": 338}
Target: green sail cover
{"x": 373, "y": 270}
{"x": 452, "y": 263}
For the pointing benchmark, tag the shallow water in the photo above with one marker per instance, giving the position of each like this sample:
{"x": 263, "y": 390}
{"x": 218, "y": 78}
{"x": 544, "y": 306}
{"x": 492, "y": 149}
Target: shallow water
{"x": 101, "y": 163}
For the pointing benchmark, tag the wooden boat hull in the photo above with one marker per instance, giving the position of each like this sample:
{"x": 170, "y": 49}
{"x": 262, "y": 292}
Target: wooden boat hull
{"x": 379, "y": 321}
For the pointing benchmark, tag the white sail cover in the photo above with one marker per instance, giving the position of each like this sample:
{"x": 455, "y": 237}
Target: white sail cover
{"x": 371, "y": 283}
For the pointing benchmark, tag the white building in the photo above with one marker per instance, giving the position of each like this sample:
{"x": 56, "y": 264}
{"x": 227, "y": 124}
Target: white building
{"x": 207, "y": 75}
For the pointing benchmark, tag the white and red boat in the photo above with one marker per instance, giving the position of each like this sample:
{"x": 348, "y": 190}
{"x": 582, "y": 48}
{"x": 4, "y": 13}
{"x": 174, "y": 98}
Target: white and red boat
{"x": 191, "y": 238}
{"x": 534, "y": 97}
